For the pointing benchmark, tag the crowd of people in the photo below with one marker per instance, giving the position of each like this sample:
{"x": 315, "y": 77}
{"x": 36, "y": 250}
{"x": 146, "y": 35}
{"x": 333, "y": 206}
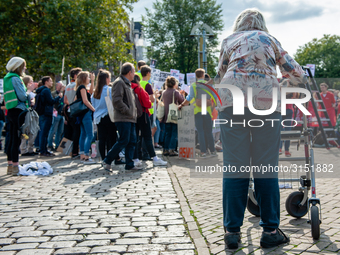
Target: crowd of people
{"x": 120, "y": 115}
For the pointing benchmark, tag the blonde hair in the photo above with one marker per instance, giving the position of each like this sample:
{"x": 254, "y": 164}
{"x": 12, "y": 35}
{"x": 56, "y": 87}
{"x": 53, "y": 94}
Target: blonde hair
{"x": 81, "y": 79}
{"x": 170, "y": 82}
{"x": 250, "y": 19}
{"x": 27, "y": 79}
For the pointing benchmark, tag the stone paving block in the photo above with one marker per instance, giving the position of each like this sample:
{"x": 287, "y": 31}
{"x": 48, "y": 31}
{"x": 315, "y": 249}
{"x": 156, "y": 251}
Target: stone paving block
{"x": 27, "y": 234}
{"x": 82, "y": 226}
{"x": 6, "y": 241}
{"x": 187, "y": 252}
{"x": 171, "y": 240}
{"x": 130, "y": 241}
{"x": 39, "y": 239}
{"x": 20, "y": 229}
{"x": 94, "y": 243}
{"x": 93, "y": 231}
{"x": 143, "y": 253}
{"x": 146, "y": 247}
{"x": 68, "y": 238}
{"x": 58, "y": 245}
{"x": 18, "y": 247}
{"x": 111, "y": 237}
{"x": 174, "y": 247}
{"x": 7, "y": 252}
{"x": 109, "y": 249}
{"x": 152, "y": 229}
{"x": 36, "y": 252}
{"x": 125, "y": 230}
{"x": 4, "y": 235}
{"x": 73, "y": 250}
{"x": 60, "y": 232}
{"x": 144, "y": 223}
{"x": 170, "y": 234}
{"x": 54, "y": 227}
{"x": 138, "y": 235}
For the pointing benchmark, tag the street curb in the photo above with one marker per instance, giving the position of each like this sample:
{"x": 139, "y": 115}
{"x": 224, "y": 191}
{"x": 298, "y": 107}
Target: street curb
{"x": 199, "y": 241}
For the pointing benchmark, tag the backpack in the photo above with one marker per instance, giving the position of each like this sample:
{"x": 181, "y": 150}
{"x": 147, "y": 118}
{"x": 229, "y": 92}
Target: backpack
{"x": 138, "y": 104}
{"x": 39, "y": 106}
{"x": 30, "y": 125}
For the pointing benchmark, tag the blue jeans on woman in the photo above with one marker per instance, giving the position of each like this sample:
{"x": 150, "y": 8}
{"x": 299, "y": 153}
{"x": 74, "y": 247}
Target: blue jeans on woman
{"x": 158, "y": 132}
{"x": 250, "y": 146}
{"x": 170, "y": 136}
{"x": 203, "y": 125}
{"x": 86, "y": 134}
{"x": 288, "y": 116}
{"x": 57, "y": 129}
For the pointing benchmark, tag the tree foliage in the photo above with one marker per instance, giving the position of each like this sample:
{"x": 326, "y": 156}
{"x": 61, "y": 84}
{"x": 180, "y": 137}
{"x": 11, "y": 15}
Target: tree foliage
{"x": 325, "y": 54}
{"x": 168, "y": 25}
{"x": 85, "y": 32}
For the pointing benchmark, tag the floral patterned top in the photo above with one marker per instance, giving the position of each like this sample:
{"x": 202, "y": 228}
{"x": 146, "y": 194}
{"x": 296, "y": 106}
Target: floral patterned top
{"x": 249, "y": 59}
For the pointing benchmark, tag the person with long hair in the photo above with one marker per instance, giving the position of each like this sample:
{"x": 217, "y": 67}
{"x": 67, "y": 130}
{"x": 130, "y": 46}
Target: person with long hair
{"x": 16, "y": 99}
{"x": 107, "y": 131}
{"x": 27, "y": 146}
{"x": 171, "y": 136}
{"x": 248, "y": 61}
{"x": 86, "y": 127}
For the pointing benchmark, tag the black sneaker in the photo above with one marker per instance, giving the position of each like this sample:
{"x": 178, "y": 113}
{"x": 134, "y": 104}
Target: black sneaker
{"x": 269, "y": 240}
{"x": 232, "y": 239}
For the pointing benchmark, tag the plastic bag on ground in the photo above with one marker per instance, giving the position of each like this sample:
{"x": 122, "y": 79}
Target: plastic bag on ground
{"x": 36, "y": 168}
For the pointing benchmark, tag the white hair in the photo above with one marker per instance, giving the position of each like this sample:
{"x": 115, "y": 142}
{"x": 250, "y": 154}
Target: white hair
{"x": 250, "y": 19}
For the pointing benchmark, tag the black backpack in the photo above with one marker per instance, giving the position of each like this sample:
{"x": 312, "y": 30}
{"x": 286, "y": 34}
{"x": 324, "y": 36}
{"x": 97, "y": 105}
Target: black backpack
{"x": 39, "y": 104}
{"x": 138, "y": 104}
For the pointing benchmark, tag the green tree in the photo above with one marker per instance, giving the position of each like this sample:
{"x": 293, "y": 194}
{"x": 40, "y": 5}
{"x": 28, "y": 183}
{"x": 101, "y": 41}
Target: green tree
{"x": 168, "y": 26}
{"x": 85, "y": 32}
{"x": 325, "y": 54}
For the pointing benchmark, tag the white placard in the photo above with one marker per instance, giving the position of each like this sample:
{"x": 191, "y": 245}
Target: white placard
{"x": 191, "y": 78}
{"x": 174, "y": 73}
{"x": 1, "y": 86}
{"x": 312, "y": 69}
{"x": 186, "y": 88}
{"x": 181, "y": 77}
{"x": 186, "y": 132}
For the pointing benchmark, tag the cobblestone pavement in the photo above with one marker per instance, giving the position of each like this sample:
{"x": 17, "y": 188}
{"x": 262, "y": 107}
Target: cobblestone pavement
{"x": 86, "y": 210}
{"x": 204, "y": 200}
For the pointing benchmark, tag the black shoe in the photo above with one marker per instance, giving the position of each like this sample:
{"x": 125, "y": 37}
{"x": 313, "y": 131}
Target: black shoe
{"x": 269, "y": 240}
{"x": 120, "y": 162}
{"x": 29, "y": 154}
{"x": 232, "y": 239}
{"x": 146, "y": 158}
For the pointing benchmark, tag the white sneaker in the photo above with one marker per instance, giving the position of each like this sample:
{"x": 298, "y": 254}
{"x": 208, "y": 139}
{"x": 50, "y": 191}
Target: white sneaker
{"x": 89, "y": 161}
{"x": 158, "y": 162}
{"x": 121, "y": 154}
{"x": 137, "y": 163}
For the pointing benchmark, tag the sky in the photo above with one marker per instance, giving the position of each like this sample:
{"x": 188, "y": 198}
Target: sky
{"x": 292, "y": 22}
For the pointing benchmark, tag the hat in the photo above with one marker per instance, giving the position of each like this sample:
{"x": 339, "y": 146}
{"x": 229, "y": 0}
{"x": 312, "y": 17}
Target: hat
{"x": 14, "y": 63}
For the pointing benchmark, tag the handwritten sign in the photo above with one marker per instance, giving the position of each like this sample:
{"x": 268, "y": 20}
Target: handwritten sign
{"x": 312, "y": 69}
{"x": 191, "y": 78}
{"x": 186, "y": 132}
{"x": 174, "y": 73}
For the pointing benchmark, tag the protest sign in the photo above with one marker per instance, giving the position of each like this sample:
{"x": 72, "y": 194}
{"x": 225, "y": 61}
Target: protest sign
{"x": 174, "y": 73}
{"x": 312, "y": 69}
{"x": 191, "y": 78}
{"x": 186, "y": 88}
{"x": 1, "y": 86}
{"x": 186, "y": 132}
{"x": 181, "y": 78}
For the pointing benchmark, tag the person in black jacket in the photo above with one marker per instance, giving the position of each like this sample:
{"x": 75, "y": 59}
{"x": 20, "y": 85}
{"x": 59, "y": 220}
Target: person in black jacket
{"x": 45, "y": 119}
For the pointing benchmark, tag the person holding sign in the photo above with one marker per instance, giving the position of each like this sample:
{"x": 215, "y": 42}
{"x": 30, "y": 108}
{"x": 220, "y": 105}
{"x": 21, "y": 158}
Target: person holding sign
{"x": 203, "y": 122}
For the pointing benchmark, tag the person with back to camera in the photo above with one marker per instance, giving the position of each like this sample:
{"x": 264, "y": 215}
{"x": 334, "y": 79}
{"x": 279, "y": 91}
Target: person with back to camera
{"x": 248, "y": 58}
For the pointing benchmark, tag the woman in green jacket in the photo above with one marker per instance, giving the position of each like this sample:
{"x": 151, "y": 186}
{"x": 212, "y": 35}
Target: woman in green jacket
{"x": 16, "y": 100}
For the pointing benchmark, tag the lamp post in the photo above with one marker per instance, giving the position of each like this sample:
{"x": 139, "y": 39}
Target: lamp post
{"x": 204, "y": 31}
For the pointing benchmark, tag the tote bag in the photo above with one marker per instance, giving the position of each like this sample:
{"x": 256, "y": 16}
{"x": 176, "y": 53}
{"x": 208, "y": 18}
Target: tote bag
{"x": 173, "y": 111}
{"x": 160, "y": 108}
{"x": 109, "y": 105}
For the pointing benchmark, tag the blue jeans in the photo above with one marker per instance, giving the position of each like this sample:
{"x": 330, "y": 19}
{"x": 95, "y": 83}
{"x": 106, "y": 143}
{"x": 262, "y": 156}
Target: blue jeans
{"x": 288, "y": 116}
{"x": 158, "y": 132}
{"x": 203, "y": 125}
{"x": 127, "y": 139}
{"x": 86, "y": 134}
{"x": 245, "y": 146}
{"x": 162, "y": 134}
{"x": 170, "y": 136}
{"x": 45, "y": 123}
{"x": 57, "y": 129}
